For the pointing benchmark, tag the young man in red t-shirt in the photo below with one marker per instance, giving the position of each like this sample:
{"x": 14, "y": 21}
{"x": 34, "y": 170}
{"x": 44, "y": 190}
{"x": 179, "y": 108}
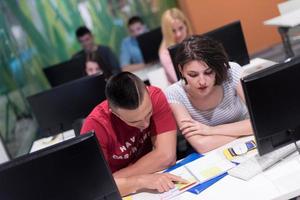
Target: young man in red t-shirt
{"x": 137, "y": 132}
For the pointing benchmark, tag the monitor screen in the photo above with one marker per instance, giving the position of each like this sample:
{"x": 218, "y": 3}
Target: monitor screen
{"x": 149, "y": 44}
{"x": 58, "y": 108}
{"x": 66, "y": 71}
{"x": 274, "y": 105}
{"x": 233, "y": 40}
{"x": 74, "y": 169}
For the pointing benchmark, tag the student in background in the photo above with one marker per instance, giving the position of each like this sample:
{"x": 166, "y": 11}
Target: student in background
{"x": 94, "y": 64}
{"x": 131, "y": 57}
{"x": 137, "y": 132}
{"x": 175, "y": 28}
{"x": 208, "y": 101}
{"x": 86, "y": 39}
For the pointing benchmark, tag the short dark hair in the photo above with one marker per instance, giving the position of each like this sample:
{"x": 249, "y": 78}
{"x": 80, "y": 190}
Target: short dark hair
{"x": 134, "y": 19}
{"x": 204, "y": 49}
{"x": 81, "y": 31}
{"x": 125, "y": 90}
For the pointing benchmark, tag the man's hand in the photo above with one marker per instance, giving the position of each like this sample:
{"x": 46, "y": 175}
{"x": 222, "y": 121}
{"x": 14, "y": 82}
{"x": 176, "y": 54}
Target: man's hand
{"x": 160, "y": 182}
{"x": 191, "y": 127}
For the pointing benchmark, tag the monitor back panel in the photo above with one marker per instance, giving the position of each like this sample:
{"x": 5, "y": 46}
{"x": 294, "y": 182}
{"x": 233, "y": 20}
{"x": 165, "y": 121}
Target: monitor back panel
{"x": 74, "y": 169}
{"x": 149, "y": 44}
{"x": 64, "y": 72}
{"x": 273, "y": 104}
{"x": 233, "y": 40}
{"x": 58, "y": 108}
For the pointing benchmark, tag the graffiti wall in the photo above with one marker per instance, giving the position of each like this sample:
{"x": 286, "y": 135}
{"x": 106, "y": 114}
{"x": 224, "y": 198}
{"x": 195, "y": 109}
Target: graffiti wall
{"x": 35, "y": 34}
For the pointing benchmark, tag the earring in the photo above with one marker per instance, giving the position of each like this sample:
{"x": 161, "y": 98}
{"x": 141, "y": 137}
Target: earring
{"x": 183, "y": 79}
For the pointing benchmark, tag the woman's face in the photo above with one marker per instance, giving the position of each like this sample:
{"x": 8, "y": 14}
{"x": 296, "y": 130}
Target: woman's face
{"x": 200, "y": 78}
{"x": 92, "y": 68}
{"x": 179, "y": 30}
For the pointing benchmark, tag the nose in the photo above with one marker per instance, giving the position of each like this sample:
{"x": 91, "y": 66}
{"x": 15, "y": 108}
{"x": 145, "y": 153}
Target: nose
{"x": 177, "y": 34}
{"x": 201, "y": 80}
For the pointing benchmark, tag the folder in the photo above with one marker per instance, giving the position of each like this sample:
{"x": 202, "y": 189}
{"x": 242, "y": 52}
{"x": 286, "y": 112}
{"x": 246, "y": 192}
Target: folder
{"x": 201, "y": 186}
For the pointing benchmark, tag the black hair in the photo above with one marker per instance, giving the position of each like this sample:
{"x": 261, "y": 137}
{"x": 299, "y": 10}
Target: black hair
{"x": 125, "y": 90}
{"x": 204, "y": 49}
{"x": 81, "y": 31}
{"x": 134, "y": 19}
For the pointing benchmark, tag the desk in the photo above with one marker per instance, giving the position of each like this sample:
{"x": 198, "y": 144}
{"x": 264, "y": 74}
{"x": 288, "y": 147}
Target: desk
{"x": 282, "y": 181}
{"x": 49, "y": 141}
{"x": 143, "y": 73}
{"x": 155, "y": 74}
{"x": 284, "y": 23}
{"x": 256, "y": 64}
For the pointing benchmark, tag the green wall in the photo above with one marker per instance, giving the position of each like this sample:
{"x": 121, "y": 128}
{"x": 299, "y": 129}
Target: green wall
{"x": 38, "y": 33}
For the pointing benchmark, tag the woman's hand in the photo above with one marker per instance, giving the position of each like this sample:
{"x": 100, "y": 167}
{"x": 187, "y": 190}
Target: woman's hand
{"x": 190, "y": 127}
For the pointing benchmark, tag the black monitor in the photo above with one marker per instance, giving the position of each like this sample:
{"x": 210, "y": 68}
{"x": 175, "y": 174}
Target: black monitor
{"x": 58, "y": 108}
{"x": 74, "y": 169}
{"x": 233, "y": 40}
{"x": 66, "y": 71}
{"x": 149, "y": 44}
{"x": 172, "y": 51}
{"x": 273, "y": 102}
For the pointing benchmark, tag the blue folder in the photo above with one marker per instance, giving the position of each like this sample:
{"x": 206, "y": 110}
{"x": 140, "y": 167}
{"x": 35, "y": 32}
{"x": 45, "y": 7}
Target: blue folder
{"x": 201, "y": 186}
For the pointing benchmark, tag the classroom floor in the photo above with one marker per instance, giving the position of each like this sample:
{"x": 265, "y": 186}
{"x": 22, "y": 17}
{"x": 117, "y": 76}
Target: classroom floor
{"x": 276, "y": 53}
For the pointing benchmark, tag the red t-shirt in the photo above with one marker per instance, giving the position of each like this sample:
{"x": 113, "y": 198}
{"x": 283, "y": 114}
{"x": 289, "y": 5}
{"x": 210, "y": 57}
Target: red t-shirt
{"x": 122, "y": 144}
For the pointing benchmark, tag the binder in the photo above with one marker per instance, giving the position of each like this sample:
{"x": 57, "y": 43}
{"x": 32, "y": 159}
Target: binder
{"x": 197, "y": 189}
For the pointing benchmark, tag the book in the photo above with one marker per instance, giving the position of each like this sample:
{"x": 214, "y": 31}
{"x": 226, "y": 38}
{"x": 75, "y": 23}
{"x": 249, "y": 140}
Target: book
{"x": 201, "y": 172}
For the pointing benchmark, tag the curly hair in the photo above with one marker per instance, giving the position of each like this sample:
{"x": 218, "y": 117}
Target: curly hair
{"x": 208, "y": 50}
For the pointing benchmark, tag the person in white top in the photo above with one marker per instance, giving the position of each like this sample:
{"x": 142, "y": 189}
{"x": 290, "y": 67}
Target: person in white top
{"x": 208, "y": 101}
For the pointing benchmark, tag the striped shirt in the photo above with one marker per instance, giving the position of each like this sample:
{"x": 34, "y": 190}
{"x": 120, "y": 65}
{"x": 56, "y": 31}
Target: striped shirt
{"x": 231, "y": 108}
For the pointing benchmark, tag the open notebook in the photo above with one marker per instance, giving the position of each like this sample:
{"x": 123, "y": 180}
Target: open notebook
{"x": 198, "y": 171}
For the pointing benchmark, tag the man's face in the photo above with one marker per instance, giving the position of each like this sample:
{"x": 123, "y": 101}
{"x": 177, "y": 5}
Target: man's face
{"x": 87, "y": 42}
{"x": 140, "y": 117}
{"x": 136, "y": 29}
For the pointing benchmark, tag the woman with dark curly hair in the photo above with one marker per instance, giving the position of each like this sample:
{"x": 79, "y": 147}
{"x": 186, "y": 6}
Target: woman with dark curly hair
{"x": 208, "y": 101}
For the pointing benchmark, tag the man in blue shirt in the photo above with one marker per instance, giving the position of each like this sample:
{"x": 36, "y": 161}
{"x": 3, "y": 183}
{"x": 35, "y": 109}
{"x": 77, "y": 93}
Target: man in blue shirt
{"x": 131, "y": 57}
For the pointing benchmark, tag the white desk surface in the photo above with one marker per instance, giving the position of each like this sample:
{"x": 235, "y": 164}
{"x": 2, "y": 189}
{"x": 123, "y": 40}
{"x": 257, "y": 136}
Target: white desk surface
{"x": 290, "y": 19}
{"x": 49, "y": 141}
{"x": 143, "y": 73}
{"x": 256, "y": 64}
{"x": 282, "y": 181}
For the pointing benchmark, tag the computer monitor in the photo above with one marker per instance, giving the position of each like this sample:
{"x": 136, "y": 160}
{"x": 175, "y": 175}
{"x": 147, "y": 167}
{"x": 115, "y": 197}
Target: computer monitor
{"x": 149, "y": 44}
{"x": 233, "y": 40}
{"x": 4, "y": 154}
{"x": 173, "y": 51}
{"x": 273, "y": 102}
{"x": 66, "y": 71}
{"x": 74, "y": 169}
{"x": 58, "y": 108}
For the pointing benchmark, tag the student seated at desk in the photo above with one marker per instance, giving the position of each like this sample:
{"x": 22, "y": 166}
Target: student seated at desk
{"x": 175, "y": 28}
{"x": 137, "y": 132}
{"x": 131, "y": 56}
{"x": 208, "y": 101}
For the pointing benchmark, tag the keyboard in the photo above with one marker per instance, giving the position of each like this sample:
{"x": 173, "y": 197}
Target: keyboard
{"x": 256, "y": 164}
